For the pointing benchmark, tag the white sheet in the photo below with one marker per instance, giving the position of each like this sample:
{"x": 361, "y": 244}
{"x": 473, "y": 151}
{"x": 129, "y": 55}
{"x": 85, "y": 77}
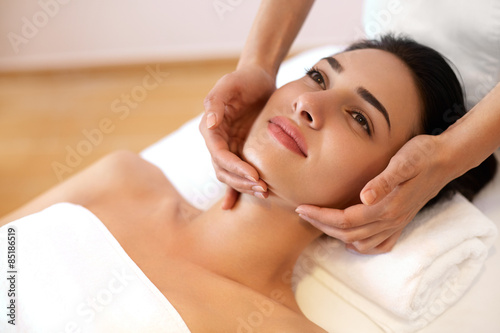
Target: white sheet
{"x": 73, "y": 276}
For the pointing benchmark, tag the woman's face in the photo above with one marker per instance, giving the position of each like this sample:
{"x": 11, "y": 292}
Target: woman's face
{"x": 321, "y": 138}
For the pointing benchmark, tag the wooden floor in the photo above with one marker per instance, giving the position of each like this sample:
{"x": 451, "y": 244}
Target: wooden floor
{"x": 54, "y": 124}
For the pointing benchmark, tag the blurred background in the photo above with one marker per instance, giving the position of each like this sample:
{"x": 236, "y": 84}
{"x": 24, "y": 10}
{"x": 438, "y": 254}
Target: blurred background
{"x": 81, "y": 78}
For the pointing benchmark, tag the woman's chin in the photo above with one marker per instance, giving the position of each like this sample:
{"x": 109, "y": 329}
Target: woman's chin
{"x": 254, "y": 158}
{"x": 267, "y": 166}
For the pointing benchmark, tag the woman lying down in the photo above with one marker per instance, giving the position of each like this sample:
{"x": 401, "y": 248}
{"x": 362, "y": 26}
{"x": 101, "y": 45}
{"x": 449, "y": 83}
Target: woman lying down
{"x": 159, "y": 264}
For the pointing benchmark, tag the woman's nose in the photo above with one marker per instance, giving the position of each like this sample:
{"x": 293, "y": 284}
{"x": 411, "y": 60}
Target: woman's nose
{"x": 308, "y": 109}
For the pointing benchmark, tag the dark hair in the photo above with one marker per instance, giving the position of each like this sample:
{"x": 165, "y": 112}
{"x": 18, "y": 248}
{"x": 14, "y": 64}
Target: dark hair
{"x": 443, "y": 102}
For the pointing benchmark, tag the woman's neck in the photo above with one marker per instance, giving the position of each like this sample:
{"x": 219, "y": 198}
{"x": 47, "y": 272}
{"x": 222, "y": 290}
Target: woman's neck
{"x": 256, "y": 243}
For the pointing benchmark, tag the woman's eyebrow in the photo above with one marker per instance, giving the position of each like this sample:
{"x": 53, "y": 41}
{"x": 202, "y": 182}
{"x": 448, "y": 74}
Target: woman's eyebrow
{"x": 367, "y": 96}
{"x": 362, "y": 92}
{"x": 335, "y": 64}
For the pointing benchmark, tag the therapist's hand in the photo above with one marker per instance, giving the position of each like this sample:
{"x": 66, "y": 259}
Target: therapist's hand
{"x": 391, "y": 200}
{"x": 230, "y": 110}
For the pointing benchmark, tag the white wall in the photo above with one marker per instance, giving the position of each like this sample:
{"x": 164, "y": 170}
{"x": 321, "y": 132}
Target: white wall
{"x": 41, "y": 34}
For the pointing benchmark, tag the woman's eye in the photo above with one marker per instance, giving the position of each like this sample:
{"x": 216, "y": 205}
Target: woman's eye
{"x": 317, "y": 77}
{"x": 361, "y": 120}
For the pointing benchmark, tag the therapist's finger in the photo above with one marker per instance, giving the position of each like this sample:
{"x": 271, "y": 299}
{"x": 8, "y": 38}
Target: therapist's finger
{"x": 354, "y": 216}
{"x": 216, "y": 100}
{"x": 214, "y": 111}
{"x": 353, "y": 235}
{"x": 327, "y": 220}
{"x": 231, "y": 163}
{"x": 222, "y": 157}
{"x": 382, "y": 242}
{"x": 240, "y": 184}
{"x": 230, "y": 198}
{"x": 383, "y": 184}
{"x": 212, "y": 137}
{"x": 408, "y": 162}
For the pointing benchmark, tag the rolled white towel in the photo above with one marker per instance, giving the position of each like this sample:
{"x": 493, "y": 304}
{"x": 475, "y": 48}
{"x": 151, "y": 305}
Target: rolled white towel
{"x": 434, "y": 262}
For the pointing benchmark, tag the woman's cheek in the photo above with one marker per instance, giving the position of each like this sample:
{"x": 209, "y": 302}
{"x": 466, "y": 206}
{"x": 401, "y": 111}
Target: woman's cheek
{"x": 337, "y": 184}
{"x": 329, "y": 190}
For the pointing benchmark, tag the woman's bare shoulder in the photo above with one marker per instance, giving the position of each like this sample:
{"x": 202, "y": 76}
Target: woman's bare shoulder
{"x": 141, "y": 179}
{"x": 119, "y": 175}
{"x": 124, "y": 178}
{"x": 127, "y": 169}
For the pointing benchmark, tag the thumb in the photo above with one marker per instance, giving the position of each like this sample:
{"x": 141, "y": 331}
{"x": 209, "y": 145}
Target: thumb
{"x": 214, "y": 111}
{"x": 397, "y": 172}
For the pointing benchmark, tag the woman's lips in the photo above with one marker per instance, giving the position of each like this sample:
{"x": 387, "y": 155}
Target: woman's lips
{"x": 288, "y": 134}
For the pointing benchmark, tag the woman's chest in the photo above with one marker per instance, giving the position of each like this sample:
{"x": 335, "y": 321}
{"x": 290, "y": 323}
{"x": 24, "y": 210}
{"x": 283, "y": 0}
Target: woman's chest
{"x": 151, "y": 231}
{"x": 206, "y": 301}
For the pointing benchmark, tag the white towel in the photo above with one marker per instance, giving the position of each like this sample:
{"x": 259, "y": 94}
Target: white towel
{"x": 73, "y": 276}
{"x": 434, "y": 262}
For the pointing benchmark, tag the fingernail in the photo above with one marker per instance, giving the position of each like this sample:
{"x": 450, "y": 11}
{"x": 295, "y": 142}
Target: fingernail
{"x": 258, "y": 188}
{"x": 368, "y": 197}
{"x": 211, "y": 120}
{"x": 307, "y": 218}
{"x": 250, "y": 178}
{"x": 299, "y": 211}
{"x": 351, "y": 250}
{"x": 259, "y": 195}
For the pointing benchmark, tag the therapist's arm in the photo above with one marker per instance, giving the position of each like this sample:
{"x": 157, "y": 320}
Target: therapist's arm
{"x": 422, "y": 167}
{"x": 236, "y": 99}
{"x": 273, "y": 31}
{"x": 475, "y": 136}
